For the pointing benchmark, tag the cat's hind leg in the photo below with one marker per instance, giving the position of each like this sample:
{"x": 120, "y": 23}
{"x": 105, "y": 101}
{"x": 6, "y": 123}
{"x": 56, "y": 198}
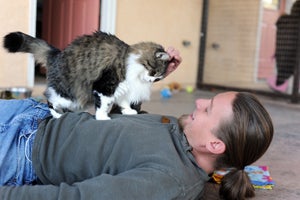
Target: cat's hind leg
{"x": 103, "y": 105}
{"x": 53, "y": 111}
{"x": 57, "y": 104}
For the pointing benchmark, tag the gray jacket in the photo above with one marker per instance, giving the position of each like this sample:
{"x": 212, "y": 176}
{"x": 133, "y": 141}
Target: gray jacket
{"x": 128, "y": 157}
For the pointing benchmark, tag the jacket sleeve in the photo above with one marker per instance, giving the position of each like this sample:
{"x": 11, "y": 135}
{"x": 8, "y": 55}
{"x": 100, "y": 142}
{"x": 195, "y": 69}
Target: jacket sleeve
{"x": 139, "y": 183}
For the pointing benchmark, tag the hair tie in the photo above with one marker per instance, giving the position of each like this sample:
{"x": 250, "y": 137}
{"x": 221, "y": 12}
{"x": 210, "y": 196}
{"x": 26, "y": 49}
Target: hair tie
{"x": 219, "y": 174}
{"x": 242, "y": 168}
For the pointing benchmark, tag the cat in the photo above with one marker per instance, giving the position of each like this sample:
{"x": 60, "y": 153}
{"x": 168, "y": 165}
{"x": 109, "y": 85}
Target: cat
{"x": 98, "y": 67}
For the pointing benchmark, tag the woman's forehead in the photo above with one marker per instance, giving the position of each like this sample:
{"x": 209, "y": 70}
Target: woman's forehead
{"x": 225, "y": 97}
{"x": 222, "y": 103}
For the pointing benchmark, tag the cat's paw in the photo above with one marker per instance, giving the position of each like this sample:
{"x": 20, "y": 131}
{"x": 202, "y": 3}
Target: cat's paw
{"x": 102, "y": 116}
{"x": 55, "y": 114}
{"x": 129, "y": 111}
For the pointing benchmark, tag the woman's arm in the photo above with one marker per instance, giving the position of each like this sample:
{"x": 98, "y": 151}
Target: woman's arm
{"x": 138, "y": 183}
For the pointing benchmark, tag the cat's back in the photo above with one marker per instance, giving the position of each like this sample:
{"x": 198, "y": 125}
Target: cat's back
{"x": 83, "y": 62}
{"x": 98, "y": 42}
{"x": 87, "y": 56}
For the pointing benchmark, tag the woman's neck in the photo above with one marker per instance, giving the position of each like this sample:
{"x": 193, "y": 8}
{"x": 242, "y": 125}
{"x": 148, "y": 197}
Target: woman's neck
{"x": 205, "y": 161}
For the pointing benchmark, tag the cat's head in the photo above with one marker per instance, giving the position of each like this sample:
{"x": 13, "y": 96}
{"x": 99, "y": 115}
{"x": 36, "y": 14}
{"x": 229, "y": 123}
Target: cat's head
{"x": 154, "y": 58}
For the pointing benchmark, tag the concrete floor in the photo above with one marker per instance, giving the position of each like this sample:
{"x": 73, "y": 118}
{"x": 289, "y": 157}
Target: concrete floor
{"x": 283, "y": 156}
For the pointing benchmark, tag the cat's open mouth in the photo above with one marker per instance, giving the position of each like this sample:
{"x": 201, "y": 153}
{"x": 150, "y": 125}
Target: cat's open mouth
{"x": 157, "y": 79}
{"x": 153, "y": 78}
{"x": 146, "y": 77}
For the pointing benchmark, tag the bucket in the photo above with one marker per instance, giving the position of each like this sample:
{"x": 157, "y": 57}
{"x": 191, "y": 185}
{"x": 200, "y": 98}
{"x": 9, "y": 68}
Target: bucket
{"x": 15, "y": 93}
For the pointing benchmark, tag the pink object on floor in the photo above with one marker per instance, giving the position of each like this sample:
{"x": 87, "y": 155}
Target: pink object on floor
{"x": 280, "y": 88}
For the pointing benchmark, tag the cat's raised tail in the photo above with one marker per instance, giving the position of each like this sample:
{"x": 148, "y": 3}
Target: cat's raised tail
{"x": 21, "y": 42}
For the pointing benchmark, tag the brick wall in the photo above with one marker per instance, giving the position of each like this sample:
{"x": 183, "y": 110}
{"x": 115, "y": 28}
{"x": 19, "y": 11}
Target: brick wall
{"x": 232, "y": 40}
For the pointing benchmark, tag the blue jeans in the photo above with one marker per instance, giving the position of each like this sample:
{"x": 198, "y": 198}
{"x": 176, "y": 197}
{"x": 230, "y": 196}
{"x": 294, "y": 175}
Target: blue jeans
{"x": 19, "y": 121}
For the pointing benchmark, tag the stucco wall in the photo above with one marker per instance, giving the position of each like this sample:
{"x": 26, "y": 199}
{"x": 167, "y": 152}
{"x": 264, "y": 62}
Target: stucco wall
{"x": 14, "y": 16}
{"x": 167, "y": 22}
{"x": 233, "y": 25}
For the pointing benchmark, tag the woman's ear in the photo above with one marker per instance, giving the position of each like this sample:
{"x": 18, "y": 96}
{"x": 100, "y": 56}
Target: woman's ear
{"x": 216, "y": 146}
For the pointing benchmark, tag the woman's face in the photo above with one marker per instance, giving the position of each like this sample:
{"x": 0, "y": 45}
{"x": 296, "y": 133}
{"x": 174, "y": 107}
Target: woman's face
{"x": 198, "y": 126}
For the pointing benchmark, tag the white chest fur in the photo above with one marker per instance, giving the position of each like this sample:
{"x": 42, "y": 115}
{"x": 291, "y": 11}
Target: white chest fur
{"x": 137, "y": 85}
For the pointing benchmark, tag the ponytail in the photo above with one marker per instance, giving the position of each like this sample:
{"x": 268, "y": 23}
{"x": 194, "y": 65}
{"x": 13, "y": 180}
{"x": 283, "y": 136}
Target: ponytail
{"x": 236, "y": 185}
{"x": 246, "y": 136}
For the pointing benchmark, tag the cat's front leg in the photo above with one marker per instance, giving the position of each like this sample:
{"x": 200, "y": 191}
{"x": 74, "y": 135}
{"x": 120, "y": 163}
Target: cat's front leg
{"x": 126, "y": 108}
{"x": 103, "y": 105}
{"x": 128, "y": 111}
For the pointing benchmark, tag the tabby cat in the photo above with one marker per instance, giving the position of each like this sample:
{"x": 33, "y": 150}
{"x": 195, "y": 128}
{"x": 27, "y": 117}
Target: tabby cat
{"x": 97, "y": 67}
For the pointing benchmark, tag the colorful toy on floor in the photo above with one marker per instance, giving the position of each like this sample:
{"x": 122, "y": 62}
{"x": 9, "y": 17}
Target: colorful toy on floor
{"x": 174, "y": 87}
{"x": 189, "y": 89}
{"x": 166, "y": 93}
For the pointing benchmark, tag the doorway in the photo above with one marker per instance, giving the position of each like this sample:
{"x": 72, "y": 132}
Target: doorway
{"x": 59, "y": 22}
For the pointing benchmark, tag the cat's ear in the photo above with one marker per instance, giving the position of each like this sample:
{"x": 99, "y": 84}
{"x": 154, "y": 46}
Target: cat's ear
{"x": 162, "y": 55}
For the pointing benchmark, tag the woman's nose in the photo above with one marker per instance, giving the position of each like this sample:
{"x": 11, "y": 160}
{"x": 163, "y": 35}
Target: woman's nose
{"x": 200, "y": 103}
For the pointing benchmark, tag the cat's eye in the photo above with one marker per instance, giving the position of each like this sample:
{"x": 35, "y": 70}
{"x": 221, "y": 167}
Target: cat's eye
{"x": 162, "y": 55}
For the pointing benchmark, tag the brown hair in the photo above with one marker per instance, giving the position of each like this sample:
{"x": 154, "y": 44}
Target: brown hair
{"x": 247, "y": 136}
